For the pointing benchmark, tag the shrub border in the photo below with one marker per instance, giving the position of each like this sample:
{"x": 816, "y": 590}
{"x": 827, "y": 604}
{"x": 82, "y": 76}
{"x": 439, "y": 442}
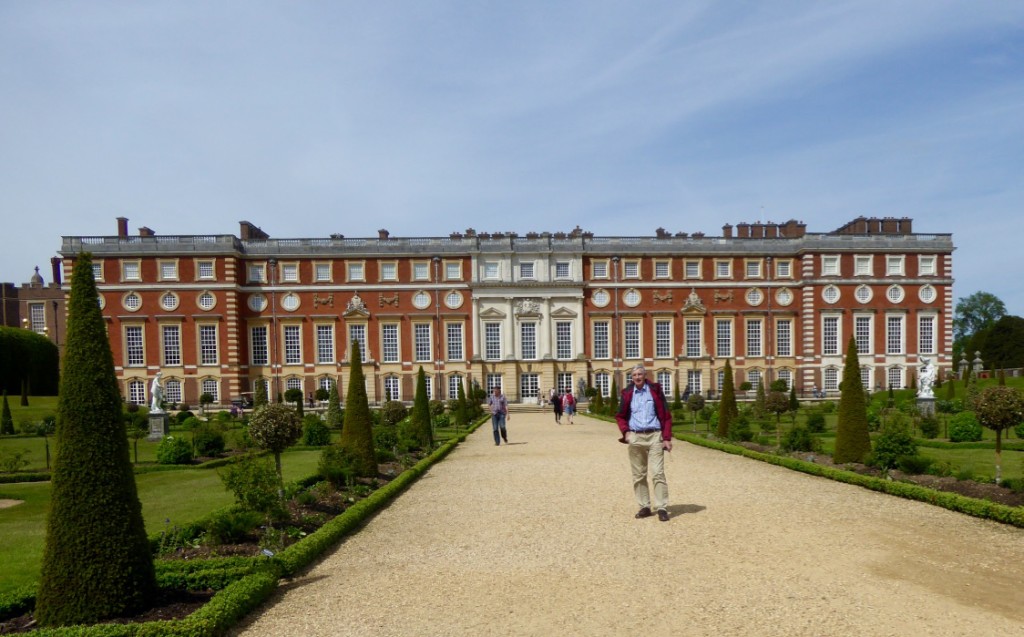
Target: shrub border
{"x": 244, "y": 583}
{"x": 984, "y": 509}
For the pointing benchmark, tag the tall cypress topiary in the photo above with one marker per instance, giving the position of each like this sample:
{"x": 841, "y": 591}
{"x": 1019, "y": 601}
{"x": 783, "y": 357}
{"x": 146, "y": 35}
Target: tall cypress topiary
{"x": 259, "y": 397}
{"x": 418, "y": 426}
{"x": 334, "y": 419}
{"x": 357, "y": 432}
{"x": 97, "y": 562}
{"x": 853, "y": 443}
{"x": 6, "y": 419}
{"x": 613, "y": 400}
{"x": 727, "y": 409}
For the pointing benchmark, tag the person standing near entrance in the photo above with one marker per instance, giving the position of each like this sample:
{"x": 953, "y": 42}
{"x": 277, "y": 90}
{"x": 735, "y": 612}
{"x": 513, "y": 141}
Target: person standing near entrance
{"x": 498, "y": 405}
{"x": 556, "y": 403}
{"x": 646, "y": 426}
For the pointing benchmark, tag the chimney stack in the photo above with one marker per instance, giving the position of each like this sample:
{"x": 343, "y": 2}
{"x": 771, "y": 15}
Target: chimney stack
{"x": 122, "y": 227}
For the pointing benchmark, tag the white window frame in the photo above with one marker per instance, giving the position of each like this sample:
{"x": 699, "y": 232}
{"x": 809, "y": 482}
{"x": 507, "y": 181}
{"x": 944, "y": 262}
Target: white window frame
{"x": 355, "y": 271}
{"x": 563, "y": 340}
{"x": 599, "y": 269}
{"x": 863, "y": 265}
{"x": 753, "y": 268}
{"x": 723, "y": 338}
{"x": 259, "y": 345}
{"x": 134, "y": 345}
{"x": 388, "y": 270}
{"x": 755, "y": 338}
{"x": 694, "y": 329}
{"x": 830, "y": 265}
{"x": 723, "y": 268}
{"x": 632, "y": 338}
{"x": 783, "y": 338}
{"x": 602, "y": 341}
{"x": 208, "y": 342}
{"x": 421, "y": 270}
{"x": 167, "y": 269}
{"x": 630, "y": 269}
{"x": 492, "y": 341}
{"x": 292, "y": 339}
{"x": 324, "y": 343}
{"x": 390, "y": 344}
{"x": 895, "y": 265}
{"x": 662, "y": 338}
{"x": 863, "y": 332}
{"x": 170, "y": 340}
{"x": 563, "y": 270}
{"x": 927, "y": 265}
{"x": 323, "y": 272}
{"x": 131, "y": 270}
{"x": 784, "y": 269}
{"x": 422, "y": 342}
{"x": 926, "y": 342}
{"x": 289, "y": 272}
{"x": 663, "y": 268}
{"x": 527, "y": 270}
{"x": 454, "y": 341}
{"x": 528, "y": 340}
{"x": 831, "y": 335}
{"x": 452, "y": 270}
{"x": 895, "y": 334}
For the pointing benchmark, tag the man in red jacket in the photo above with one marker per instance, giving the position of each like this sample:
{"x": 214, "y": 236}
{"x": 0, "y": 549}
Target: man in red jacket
{"x": 646, "y": 426}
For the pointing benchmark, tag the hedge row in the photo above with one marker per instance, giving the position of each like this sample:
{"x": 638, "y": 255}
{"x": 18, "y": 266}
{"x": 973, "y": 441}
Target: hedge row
{"x": 242, "y": 583}
{"x": 25, "y": 355}
{"x": 990, "y": 444}
{"x": 952, "y": 501}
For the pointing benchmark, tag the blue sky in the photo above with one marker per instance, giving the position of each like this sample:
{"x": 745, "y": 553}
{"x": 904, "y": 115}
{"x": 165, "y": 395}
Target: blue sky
{"x": 312, "y": 118}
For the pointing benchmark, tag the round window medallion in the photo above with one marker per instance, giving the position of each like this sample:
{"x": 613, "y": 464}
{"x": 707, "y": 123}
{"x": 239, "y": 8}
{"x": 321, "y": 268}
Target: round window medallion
{"x": 290, "y": 302}
{"x": 453, "y": 300}
{"x": 207, "y": 301}
{"x": 926, "y": 294}
{"x": 169, "y": 301}
{"x": 101, "y": 300}
{"x": 894, "y": 293}
{"x": 131, "y": 301}
{"x": 784, "y": 297}
{"x": 830, "y": 294}
{"x": 257, "y": 302}
{"x": 421, "y": 300}
{"x": 754, "y": 297}
{"x": 631, "y": 298}
{"x": 601, "y": 298}
{"x": 863, "y": 294}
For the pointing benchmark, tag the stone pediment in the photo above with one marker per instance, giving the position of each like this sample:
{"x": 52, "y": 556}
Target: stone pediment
{"x": 563, "y": 312}
{"x": 492, "y": 313}
{"x": 693, "y": 304}
{"x": 356, "y": 308}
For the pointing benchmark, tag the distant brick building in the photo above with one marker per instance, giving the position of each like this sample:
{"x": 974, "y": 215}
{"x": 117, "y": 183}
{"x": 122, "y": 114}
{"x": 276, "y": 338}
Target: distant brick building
{"x": 219, "y": 313}
{"x": 36, "y": 305}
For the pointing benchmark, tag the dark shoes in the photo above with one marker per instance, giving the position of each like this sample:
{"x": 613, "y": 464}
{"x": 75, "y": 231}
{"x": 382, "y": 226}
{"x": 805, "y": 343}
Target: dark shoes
{"x": 646, "y": 513}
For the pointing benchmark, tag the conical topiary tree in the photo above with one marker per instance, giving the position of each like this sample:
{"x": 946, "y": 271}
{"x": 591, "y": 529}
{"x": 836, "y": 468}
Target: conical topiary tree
{"x": 357, "y": 432}
{"x": 260, "y": 396}
{"x": 6, "y": 420}
{"x": 853, "y": 443}
{"x": 727, "y": 409}
{"x": 760, "y": 408}
{"x": 613, "y": 400}
{"x": 333, "y": 415}
{"x": 97, "y": 562}
{"x": 418, "y": 425}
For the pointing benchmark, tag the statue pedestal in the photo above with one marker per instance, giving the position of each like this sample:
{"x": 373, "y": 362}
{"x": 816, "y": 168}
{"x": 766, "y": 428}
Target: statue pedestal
{"x": 926, "y": 406}
{"x": 158, "y": 426}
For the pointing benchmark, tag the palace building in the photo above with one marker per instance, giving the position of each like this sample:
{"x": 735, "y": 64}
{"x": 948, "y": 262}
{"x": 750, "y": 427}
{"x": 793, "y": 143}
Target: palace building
{"x": 217, "y": 314}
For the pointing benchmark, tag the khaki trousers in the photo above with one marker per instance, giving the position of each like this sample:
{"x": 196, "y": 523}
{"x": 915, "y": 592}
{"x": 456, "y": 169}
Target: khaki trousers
{"x": 646, "y": 453}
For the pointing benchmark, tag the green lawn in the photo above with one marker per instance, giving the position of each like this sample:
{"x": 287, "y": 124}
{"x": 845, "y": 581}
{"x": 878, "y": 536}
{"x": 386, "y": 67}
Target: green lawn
{"x": 178, "y": 496}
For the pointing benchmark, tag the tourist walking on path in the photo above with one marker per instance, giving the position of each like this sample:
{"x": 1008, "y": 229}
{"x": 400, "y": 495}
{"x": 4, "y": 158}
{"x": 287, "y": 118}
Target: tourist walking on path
{"x": 568, "y": 405}
{"x": 556, "y": 402}
{"x": 646, "y": 426}
{"x": 498, "y": 405}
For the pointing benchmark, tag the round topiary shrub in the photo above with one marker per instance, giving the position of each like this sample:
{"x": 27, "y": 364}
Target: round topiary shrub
{"x": 173, "y": 450}
{"x": 815, "y": 422}
{"x": 800, "y": 439}
{"x": 895, "y": 442}
{"x": 337, "y": 466}
{"x": 208, "y": 441}
{"x": 393, "y": 412}
{"x": 929, "y": 427}
{"x": 385, "y": 438}
{"x": 964, "y": 427}
{"x": 315, "y": 432}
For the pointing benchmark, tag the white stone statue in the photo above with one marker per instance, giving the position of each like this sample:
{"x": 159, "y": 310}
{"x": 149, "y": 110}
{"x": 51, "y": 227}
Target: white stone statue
{"x": 926, "y": 379}
{"x": 156, "y": 393}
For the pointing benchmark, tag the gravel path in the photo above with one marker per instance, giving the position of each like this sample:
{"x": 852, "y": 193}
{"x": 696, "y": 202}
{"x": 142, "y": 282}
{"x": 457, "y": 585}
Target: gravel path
{"x": 538, "y": 538}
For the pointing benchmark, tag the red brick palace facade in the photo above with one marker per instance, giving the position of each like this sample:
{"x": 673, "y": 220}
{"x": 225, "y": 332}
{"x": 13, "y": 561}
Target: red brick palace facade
{"x": 219, "y": 313}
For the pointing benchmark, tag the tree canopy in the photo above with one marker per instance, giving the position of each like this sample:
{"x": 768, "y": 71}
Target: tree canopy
{"x": 973, "y": 314}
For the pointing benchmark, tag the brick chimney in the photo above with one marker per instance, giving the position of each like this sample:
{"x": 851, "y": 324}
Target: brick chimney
{"x": 56, "y": 268}
{"x": 122, "y": 227}
{"x": 727, "y": 231}
{"x": 249, "y": 232}
{"x": 146, "y": 232}
{"x": 383, "y": 234}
